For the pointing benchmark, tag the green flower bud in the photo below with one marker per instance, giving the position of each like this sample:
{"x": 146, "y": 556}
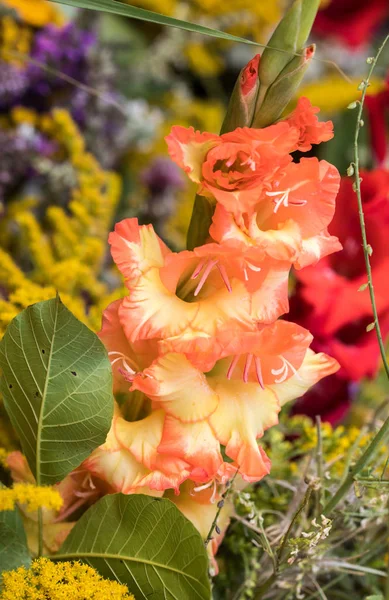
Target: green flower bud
{"x": 279, "y": 94}
{"x": 289, "y": 38}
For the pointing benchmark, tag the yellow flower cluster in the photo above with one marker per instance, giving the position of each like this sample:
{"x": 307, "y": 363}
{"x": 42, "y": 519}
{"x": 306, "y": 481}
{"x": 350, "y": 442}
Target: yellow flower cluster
{"x": 15, "y": 40}
{"x": 60, "y": 581}
{"x": 66, "y": 248}
{"x": 340, "y": 444}
{"x": 37, "y": 13}
{"x": 33, "y": 496}
{"x": 3, "y": 457}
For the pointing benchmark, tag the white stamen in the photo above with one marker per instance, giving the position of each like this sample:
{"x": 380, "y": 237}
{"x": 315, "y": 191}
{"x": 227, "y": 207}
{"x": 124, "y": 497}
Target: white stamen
{"x": 253, "y": 267}
{"x": 123, "y": 358}
{"x": 250, "y": 162}
{"x": 200, "y": 488}
{"x": 283, "y": 200}
{"x": 284, "y": 371}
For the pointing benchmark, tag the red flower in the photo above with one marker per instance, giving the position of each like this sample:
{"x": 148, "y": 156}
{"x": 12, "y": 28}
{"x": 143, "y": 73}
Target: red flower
{"x": 339, "y": 327}
{"x": 351, "y": 21}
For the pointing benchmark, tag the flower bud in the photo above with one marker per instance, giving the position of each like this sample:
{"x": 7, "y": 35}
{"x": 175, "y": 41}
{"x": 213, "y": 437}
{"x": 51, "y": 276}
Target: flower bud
{"x": 241, "y": 107}
{"x": 283, "y": 89}
{"x": 288, "y": 39}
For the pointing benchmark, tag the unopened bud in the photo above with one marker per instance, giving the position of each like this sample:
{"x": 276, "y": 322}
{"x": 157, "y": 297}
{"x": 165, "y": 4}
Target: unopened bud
{"x": 241, "y": 108}
{"x": 280, "y": 93}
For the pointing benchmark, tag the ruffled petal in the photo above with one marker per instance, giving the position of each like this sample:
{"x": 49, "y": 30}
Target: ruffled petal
{"x": 314, "y": 368}
{"x": 244, "y": 412}
{"x": 196, "y": 444}
{"x": 312, "y": 131}
{"x": 201, "y": 511}
{"x": 136, "y": 248}
{"x": 179, "y": 387}
{"x": 270, "y": 300}
{"x": 188, "y": 148}
{"x": 306, "y": 194}
{"x": 315, "y": 248}
{"x": 118, "y": 468}
{"x": 126, "y": 358}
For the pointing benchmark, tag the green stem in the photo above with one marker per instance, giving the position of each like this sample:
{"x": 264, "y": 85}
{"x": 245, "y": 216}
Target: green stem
{"x": 220, "y": 505}
{"x": 40, "y": 532}
{"x": 366, "y": 457}
{"x": 374, "y": 444}
{"x": 262, "y": 589}
{"x": 366, "y": 247}
{"x": 319, "y": 461}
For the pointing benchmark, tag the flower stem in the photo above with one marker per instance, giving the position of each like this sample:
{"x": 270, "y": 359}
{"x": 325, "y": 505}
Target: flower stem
{"x": 40, "y": 532}
{"x": 220, "y": 505}
{"x": 357, "y": 186}
{"x": 384, "y": 431}
{"x": 366, "y": 457}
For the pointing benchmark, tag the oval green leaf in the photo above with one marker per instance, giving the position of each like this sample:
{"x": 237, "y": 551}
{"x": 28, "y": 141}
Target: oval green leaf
{"x": 145, "y": 543}
{"x": 57, "y": 388}
{"x": 13, "y": 542}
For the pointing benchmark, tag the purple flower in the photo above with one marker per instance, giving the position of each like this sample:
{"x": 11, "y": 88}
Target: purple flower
{"x": 13, "y": 84}
{"x": 162, "y": 174}
{"x": 62, "y": 49}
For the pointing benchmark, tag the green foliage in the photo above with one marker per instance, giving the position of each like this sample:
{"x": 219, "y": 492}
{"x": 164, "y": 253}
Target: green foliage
{"x": 13, "y": 543}
{"x": 57, "y": 388}
{"x": 145, "y": 543}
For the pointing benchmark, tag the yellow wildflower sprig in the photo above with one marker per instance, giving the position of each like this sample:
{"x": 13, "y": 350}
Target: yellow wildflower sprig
{"x": 66, "y": 248}
{"x": 32, "y": 496}
{"x": 60, "y": 581}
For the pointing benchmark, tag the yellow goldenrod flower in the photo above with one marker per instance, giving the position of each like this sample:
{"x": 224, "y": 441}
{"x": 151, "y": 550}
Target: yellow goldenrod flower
{"x": 3, "y": 457}
{"x": 333, "y": 93}
{"x": 66, "y": 247}
{"x": 203, "y": 61}
{"x": 37, "y": 13}
{"x": 60, "y": 581}
{"x": 15, "y": 41}
{"x": 32, "y": 496}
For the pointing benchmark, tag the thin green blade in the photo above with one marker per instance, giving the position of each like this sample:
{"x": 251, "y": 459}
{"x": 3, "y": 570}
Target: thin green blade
{"x": 127, "y": 10}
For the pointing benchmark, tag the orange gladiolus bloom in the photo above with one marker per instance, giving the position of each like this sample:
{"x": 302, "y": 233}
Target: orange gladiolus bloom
{"x": 200, "y": 361}
{"x": 264, "y": 200}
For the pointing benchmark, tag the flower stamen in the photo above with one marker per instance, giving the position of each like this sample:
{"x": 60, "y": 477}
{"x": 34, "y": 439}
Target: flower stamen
{"x": 284, "y": 371}
{"x": 283, "y": 200}
{"x": 258, "y": 371}
{"x": 247, "y": 367}
{"x": 232, "y": 366}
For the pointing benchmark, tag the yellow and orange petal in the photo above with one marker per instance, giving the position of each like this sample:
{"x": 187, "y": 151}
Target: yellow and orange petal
{"x": 188, "y": 148}
{"x": 314, "y": 367}
{"x": 196, "y": 444}
{"x": 179, "y": 387}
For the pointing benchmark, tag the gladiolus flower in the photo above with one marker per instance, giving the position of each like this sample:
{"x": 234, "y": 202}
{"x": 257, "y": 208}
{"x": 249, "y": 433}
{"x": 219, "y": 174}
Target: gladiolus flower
{"x": 196, "y": 345}
{"x": 263, "y": 199}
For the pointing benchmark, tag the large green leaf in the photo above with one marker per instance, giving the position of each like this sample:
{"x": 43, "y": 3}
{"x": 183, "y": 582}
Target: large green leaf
{"x": 127, "y": 10}
{"x": 13, "y": 543}
{"x": 57, "y": 388}
{"x": 145, "y": 543}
